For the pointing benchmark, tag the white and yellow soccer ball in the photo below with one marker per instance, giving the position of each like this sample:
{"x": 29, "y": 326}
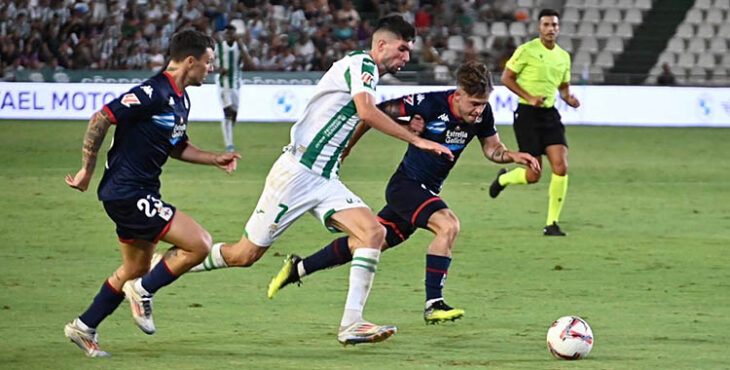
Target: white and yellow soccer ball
{"x": 570, "y": 338}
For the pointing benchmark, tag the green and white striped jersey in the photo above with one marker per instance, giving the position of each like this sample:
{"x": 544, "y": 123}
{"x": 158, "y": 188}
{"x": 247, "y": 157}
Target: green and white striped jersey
{"x": 330, "y": 117}
{"x": 229, "y": 57}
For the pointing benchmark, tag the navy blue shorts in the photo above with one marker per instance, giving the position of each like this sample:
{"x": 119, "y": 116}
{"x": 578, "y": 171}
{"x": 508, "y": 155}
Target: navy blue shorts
{"x": 409, "y": 206}
{"x": 145, "y": 218}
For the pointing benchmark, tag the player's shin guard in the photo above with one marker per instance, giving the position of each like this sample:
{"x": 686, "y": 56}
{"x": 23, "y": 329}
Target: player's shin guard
{"x": 518, "y": 176}
{"x": 158, "y": 277}
{"x": 437, "y": 268}
{"x": 362, "y": 272}
{"x": 558, "y": 189}
{"x": 105, "y": 302}
{"x": 214, "y": 260}
{"x": 334, "y": 254}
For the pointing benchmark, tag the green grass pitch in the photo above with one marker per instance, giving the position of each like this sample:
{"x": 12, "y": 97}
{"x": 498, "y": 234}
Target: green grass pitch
{"x": 645, "y": 262}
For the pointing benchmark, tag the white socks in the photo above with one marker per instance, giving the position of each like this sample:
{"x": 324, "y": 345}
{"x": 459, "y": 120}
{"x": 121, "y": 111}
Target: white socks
{"x": 213, "y": 261}
{"x": 362, "y": 272}
{"x": 82, "y": 325}
{"x": 300, "y": 269}
{"x": 227, "y": 128}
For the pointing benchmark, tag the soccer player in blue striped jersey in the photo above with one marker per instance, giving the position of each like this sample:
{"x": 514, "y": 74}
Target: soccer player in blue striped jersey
{"x": 452, "y": 118}
{"x": 151, "y": 122}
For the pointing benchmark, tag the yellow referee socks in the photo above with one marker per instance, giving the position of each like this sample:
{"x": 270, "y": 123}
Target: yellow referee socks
{"x": 557, "y": 190}
{"x": 516, "y": 176}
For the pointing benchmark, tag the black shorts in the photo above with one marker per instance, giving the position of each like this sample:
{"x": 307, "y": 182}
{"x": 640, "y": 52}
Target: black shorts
{"x": 409, "y": 206}
{"x": 144, "y": 218}
{"x": 536, "y": 128}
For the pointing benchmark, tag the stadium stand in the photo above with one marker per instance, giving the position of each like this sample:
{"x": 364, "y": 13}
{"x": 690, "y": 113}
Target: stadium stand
{"x": 611, "y": 41}
{"x": 696, "y": 53}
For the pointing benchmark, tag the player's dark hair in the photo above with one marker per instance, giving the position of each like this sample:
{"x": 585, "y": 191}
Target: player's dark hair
{"x": 548, "y": 13}
{"x": 398, "y": 26}
{"x": 474, "y": 78}
{"x": 189, "y": 43}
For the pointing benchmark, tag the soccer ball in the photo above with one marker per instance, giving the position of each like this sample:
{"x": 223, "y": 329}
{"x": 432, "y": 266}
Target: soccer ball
{"x": 570, "y": 338}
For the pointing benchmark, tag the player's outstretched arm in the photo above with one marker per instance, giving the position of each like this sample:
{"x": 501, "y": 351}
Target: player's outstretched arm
{"x": 187, "y": 152}
{"x": 496, "y": 152}
{"x": 368, "y": 112}
{"x": 94, "y": 137}
{"x": 393, "y": 109}
{"x": 569, "y": 98}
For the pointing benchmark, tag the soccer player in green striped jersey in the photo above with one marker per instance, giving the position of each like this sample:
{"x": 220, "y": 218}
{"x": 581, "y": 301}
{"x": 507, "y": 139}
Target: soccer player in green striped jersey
{"x": 535, "y": 72}
{"x": 305, "y": 177}
{"x": 231, "y": 58}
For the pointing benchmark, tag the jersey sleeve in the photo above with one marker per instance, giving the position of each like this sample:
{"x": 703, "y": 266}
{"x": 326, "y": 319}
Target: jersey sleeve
{"x": 518, "y": 60}
{"x": 422, "y": 104}
{"x": 362, "y": 75}
{"x": 137, "y": 104}
{"x": 486, "y": 127}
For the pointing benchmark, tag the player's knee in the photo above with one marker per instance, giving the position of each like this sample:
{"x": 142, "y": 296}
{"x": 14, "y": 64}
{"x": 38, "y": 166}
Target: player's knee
{"x": 371, "y": 235}
{"x": 377, "y": 235}
{"x": 200, "y": 247}
{"x": 532, "y": 177}
{"x": 561, "y": 169}
{"x": 451, "y": 227}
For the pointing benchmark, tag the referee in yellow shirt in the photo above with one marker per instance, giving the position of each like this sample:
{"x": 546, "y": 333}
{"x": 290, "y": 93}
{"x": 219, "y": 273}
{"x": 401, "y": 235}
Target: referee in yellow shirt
{"x": 535, "y": 72}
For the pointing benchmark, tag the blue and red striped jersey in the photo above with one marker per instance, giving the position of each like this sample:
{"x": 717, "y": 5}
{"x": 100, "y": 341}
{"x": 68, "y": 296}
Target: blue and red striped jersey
{"x": 151, "y": 120}
{"x": 442, "y": 126}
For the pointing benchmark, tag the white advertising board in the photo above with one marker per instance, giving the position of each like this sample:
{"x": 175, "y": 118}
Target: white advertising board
{"x": 600, "y": 105}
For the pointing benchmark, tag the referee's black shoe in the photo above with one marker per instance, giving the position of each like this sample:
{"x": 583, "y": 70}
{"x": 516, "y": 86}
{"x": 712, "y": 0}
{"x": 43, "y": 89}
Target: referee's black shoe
{"x": 553, "y": 230}
{"x": 496, "y": 188}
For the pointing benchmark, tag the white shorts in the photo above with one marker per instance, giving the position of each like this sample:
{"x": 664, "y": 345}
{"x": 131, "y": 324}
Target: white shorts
{"x": 291, "y": 190}
{"x": 229, "y": 98}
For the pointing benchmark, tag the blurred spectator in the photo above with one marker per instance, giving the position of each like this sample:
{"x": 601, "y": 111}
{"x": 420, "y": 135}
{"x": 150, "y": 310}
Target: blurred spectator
{"x": 295, "y": 35}
{"x": 53, "y": 65}
{"x": 156, "y": 59}
{"x": 297, "y": 17}
{"x": 29, "y": 57}
{"x": 155, "y": 10}
{"x": 10, "y": 71}
{"x": 342, "y": 31}
{"x": 666, "y": 78}
{"x": 305, "y": 49}
{"x": 363, "y": 33}
{"x": 191, "y": 11}
{"x": 270, "y": 61}
{"x": 287, "y": 59}
{"x": 405, "y": 10}
{"x": 430, "y": 53}
{"x": 463, "y": 19}
{"x": 349, "y": 14}
{"x": 470, "y": 52}
{"x": 423, "y": 18}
